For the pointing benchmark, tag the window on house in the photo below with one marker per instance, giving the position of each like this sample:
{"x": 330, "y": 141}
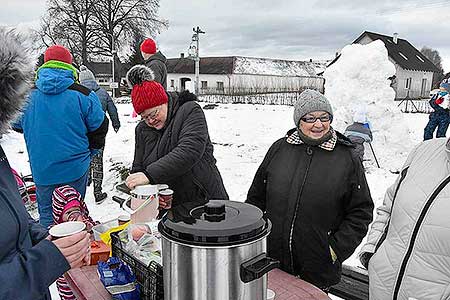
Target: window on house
{"x": 204, "y": 85}
{"x": 403, "y": 55}
{"x": 408, "y": 83}
{"x": 220, "y": 85}
{"x": 420, "y": 58}
{"x": 172, "y": 82}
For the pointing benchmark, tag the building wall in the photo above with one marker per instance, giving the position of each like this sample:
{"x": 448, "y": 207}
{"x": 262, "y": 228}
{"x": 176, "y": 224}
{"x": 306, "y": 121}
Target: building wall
{"x": 237, "y": 82}
{"x": 416, "y": 77}
{"x": 174, "y": 81}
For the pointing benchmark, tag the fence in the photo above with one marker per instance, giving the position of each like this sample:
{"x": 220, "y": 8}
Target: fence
{"x": 415, "y": 106}
{"x": 276, "y": 98}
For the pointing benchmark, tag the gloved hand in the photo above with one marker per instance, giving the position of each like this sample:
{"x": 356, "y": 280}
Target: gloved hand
{"x": 116, "y": 129}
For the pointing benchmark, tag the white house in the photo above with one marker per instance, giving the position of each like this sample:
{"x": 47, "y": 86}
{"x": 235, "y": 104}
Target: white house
{"x": 414, "y": 72}
{"x": 237, "y": 75}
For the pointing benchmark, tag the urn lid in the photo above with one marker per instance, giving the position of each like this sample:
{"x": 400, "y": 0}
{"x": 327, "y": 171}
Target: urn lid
{"x": 216, "y": 223}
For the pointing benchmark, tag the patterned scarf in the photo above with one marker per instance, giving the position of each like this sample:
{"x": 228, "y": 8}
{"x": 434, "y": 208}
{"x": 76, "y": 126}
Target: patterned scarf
{"x": 294, "y": 139}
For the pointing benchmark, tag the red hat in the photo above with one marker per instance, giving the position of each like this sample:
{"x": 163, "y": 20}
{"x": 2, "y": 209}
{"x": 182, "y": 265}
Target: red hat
{"x": 147, "y": 94}
{"x": 59, "y": 53}
{"x": 148, "y": 46}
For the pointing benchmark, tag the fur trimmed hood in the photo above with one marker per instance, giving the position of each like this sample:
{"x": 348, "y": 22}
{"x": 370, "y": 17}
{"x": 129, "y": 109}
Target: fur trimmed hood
{"x": 16, "y": 75}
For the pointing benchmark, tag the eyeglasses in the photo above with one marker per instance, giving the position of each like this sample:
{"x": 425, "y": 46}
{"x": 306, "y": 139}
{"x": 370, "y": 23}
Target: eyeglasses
{"x": 313, "y": 119}
{"x": 151, "y": 116}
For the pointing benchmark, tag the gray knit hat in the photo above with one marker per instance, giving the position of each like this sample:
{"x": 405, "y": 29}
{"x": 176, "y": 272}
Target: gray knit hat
{"x": 85, "y": 74}
{"x": 310, "y": 101}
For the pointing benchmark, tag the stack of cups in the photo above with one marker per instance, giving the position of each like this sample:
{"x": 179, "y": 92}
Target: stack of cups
{"x": 165, "y": 196}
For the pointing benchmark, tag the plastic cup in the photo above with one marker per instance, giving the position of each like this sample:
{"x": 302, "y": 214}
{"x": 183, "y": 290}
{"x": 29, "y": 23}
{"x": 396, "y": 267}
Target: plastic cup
{"x": 123, "y": 219}
{"x": 166, "y": 196}
{"x": 270, "y": 294}
{"x": 66, "y": 229}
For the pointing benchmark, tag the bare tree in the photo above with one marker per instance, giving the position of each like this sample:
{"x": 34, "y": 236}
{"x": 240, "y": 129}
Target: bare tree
{"x": 135, "y": 56}
{"x": 69, "y": 22}
{"x": 434, "y": 56}
{"x": 98, "y": 28}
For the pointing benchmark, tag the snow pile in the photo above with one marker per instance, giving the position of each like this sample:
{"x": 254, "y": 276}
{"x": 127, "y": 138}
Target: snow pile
{"x": 277, "y": 67}
{"x": 358, "y": 81}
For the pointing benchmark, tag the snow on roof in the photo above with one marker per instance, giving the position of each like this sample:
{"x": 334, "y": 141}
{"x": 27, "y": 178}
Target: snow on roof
{"x": 246, "y": 65}
{"x": 276, "y": 67}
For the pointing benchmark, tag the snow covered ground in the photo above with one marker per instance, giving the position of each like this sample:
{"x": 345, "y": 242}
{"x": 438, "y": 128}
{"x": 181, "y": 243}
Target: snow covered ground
{"x": 241, "y": 135}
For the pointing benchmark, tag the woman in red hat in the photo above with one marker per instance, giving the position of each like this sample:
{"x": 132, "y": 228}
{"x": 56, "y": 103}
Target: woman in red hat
{"x": 172, "y": 142}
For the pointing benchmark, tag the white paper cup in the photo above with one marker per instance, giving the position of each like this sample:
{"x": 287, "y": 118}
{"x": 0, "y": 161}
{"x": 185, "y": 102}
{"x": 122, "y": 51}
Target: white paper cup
{"x": 162, "y": 187}
{"x": 270, "y": 294}
{"x": 66, "y": 229}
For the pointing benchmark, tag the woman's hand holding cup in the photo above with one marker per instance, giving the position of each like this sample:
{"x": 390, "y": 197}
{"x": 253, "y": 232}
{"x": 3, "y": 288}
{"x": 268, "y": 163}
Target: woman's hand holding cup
{"x": 73, "y": 241}
{"x": 75, "y": 248}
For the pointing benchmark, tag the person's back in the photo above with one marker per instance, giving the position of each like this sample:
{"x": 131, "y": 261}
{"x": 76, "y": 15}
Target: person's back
{"x": 63, "y": 124}
{"x": 358, "y": 134}
{"x": 439, "y": 118}
{"x": 155, "y": 60}
{"x": 407, "y": 249}
{"x": 55, "y": 119}
{"x": 87, "y": 79}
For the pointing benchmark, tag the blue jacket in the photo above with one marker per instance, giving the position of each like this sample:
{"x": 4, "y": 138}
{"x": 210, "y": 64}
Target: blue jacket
{"x": 56, "y": 123}
{"x": 29, "y": 263}
{"x": 106, "y": 101}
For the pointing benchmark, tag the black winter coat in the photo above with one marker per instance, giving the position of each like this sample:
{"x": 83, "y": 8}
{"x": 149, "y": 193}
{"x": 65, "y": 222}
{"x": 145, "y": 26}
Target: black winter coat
{"x": 157, "y": 63}
{"x": 315, "y": 199}
{"x": 180, "y": 154}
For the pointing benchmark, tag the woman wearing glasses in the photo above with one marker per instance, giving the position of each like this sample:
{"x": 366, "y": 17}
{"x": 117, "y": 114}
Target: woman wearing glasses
{"x": 312, "y": 186}
{"x": 172, "y": 142}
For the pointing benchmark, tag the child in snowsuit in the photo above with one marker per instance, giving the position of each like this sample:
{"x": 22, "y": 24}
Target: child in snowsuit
{"x": 67, "y": 205}
{"x": 359, "y": 132}
{"x": 440, "y": 117}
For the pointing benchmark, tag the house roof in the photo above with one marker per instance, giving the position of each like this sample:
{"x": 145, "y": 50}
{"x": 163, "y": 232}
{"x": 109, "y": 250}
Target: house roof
{"x": 244, "y": 65}
{"x": 402, "y": 52}
{"x": 208, "y": 65}
{"x": 100, "y": 68}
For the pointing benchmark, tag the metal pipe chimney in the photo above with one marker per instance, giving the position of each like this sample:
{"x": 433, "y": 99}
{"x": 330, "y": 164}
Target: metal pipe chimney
{"x": 395, "y": 37}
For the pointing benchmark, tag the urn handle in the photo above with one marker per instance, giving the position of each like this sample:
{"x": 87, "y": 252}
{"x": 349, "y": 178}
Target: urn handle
{"x": 256, "y": 267}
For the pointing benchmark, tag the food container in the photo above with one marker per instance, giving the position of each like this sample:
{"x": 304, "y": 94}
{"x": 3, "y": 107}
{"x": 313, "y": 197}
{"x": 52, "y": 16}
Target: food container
{"x": 99, "y": 252}
{"x": 144, "y": 203}
{"x": 101, "y": 228}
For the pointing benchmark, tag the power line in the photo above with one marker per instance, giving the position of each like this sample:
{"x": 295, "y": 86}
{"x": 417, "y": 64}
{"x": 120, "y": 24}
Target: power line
{"x": 414, "y": 6}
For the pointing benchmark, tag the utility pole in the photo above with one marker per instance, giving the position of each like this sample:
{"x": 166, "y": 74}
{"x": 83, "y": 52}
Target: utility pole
{"x": 113, "y": 53}
{"x": 196, "y": 38}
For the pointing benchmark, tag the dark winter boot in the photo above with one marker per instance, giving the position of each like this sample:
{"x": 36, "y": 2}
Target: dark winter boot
{"x": 99, "y": 198}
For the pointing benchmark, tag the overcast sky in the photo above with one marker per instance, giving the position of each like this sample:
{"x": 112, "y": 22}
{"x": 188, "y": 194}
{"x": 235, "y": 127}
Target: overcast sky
{"x": 290, "y": 29}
